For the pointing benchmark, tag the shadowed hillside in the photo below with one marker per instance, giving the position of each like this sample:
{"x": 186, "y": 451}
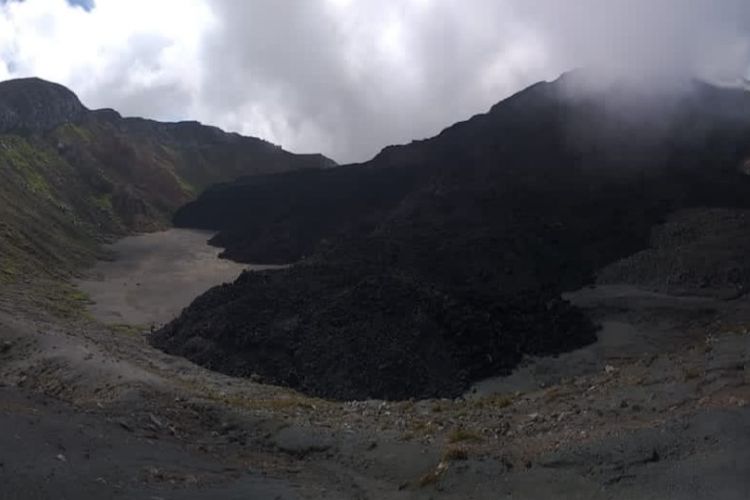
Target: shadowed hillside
{"x": 441, "y": 262}
{"x": 70, "y": 177}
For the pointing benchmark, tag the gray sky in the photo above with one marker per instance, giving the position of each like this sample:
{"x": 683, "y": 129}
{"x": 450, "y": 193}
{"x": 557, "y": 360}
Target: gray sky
{"x": 348, "y": 77}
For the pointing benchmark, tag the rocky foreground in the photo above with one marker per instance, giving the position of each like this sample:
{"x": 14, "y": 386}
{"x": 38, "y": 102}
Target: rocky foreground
{"x": 656, "y": 408}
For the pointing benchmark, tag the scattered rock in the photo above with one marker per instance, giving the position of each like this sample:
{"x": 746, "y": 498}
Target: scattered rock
{"x": 739, "y": 402}
{"x": 6, "y": 346}
{"x": 156, "y": 421}
{"x": 125, "y": 425}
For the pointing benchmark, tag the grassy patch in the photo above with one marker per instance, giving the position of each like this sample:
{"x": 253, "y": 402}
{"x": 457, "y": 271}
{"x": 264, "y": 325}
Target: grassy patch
{"x": 186, "y": 187}
{"x": 28, "y": 162}
{"x": 125, "y": 329}
{"x": 460, "y": 435}
{"x": 453, "y": 454}
{"x": 103, "y": 202}
{"x": 73, "y": 133}
{"x": 63, "y": 300}
{"x": 426, "y": 428}
{"x": 495, "y": 401}
{"x": 285, "y": 402}
{"x": 10, "y": 268}
{"x": 433, "y": 476}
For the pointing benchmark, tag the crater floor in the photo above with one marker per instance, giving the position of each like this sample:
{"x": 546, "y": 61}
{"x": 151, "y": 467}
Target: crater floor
{"x": 152, "y": 277}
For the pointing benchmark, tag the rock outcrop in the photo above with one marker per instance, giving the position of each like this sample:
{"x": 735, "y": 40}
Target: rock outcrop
{"x": 35, "y": 105}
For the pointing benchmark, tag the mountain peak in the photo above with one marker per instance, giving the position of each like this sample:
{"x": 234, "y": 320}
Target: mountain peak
{"x": 36, "y": 105}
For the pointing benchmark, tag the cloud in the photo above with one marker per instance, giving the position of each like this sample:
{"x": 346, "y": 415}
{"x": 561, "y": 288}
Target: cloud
{"x": 140, "y": 56}
{"x": 648, "y": 39}
{"x": 347, "y": 77}
{"x": 352, "y": 77}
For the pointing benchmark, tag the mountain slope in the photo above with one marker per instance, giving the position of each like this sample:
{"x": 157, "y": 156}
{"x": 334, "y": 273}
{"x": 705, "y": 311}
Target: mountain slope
{"x": 34, "y": 105}
{"x": 70, "y": 177}
{"x": 441, "y": 262}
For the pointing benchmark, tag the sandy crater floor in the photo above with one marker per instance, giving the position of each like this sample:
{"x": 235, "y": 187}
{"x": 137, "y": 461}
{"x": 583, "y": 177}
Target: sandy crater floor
{"x": 152, "y": 277}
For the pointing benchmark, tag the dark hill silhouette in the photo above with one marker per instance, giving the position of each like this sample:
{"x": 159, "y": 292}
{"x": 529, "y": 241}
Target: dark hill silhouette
{"x": 442, "y": 261}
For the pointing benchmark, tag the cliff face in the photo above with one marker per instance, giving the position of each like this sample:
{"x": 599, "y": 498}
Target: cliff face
{"x": 34, "y": 105}
{"x": 70, "y": 177}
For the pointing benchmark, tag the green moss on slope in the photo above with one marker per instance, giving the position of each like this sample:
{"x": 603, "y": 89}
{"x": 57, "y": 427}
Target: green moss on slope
{"x": 42, "y": 233}
{"x": 64, "y": 191}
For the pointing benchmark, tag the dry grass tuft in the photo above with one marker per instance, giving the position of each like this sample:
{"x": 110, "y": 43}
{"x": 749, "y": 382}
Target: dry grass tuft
{"x": 494, "y": 402}
{"x": 454, "y": 454}
{"x": 433, "y": 476}
{"x": 462, "y": 435}
{"x": 693, "y": 373}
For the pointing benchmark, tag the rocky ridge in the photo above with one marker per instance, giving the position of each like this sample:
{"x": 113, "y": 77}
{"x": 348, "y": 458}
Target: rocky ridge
{"x": 71, "y": 178}
{"x": 34, "y": 105}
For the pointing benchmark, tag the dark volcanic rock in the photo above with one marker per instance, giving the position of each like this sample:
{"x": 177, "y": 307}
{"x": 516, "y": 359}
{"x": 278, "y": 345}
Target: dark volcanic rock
{"x": 442, "y": 261}
{"x": 695, "y": 252}
{"x": 378, "y": 335}
{"x": 284, "y": 217}
{"x": 35, "y": 105}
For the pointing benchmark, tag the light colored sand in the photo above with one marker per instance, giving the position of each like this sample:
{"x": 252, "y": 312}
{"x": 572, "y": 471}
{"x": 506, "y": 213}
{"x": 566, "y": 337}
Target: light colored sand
{"x": 635, "y": 322}
{"x": 154, "y": 276}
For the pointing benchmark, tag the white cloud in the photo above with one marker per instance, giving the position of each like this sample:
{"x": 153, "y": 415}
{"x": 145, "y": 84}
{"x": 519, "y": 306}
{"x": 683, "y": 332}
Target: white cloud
{"x": 347, "y": 77}
{"x": 120, "y": 54}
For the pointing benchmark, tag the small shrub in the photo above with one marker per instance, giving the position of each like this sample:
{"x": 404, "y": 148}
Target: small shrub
{"x": 496, "y": 401}
{"x": 462, "y": 435}
{"x": 454, "y": 454}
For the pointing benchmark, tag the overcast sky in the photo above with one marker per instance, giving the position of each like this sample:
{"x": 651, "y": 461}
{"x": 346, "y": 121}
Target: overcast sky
{"x": 348, "y": 77}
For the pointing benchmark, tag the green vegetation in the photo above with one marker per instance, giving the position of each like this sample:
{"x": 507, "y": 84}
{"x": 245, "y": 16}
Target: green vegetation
{"x": 103, "y": 202}
{"x": 28, "y": 163}
{"x": 40, "y": 297}
{"x": 66, "y": 191}
{"x": 69, "y": 302}
{"x": 124, "y": 329}
{"x": 461, "y": 435}
{"x": 494, "y": 402}
{"x": 45, "y": 230}
{"x": 74, "y": 133}
{"x": 186, "y": 186}
{"x": 454, "y": 454}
